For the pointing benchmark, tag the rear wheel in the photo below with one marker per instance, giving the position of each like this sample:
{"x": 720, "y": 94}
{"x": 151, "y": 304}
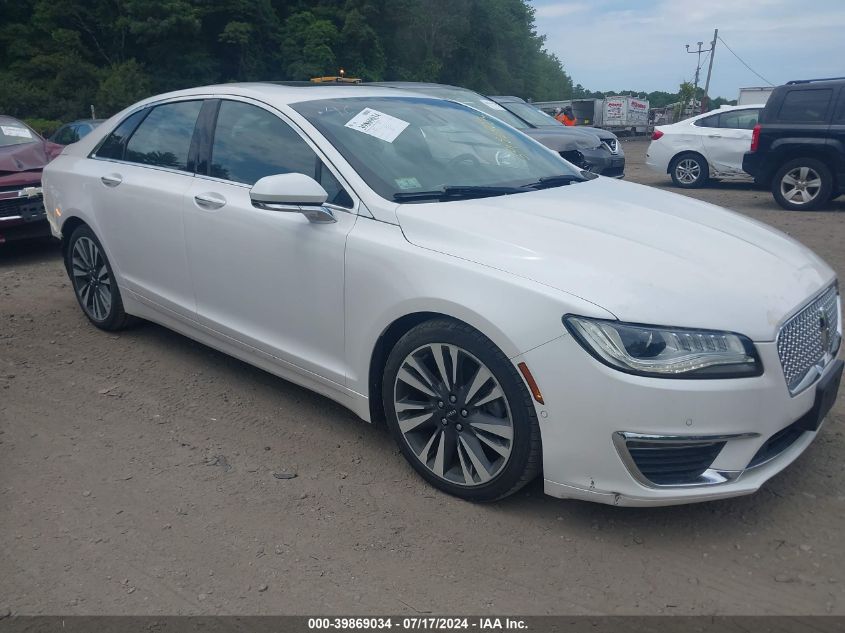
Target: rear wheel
{"x": 460, "y": 413}
{"x": 689, "y": 171}
{"x": 802, "y": 184}
{"x": 93, "y": 281}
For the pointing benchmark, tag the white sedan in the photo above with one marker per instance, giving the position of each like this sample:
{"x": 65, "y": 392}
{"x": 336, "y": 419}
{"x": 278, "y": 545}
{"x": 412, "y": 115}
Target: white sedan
{"x": 426, "y": 265}
{"x": 706, "y": 146}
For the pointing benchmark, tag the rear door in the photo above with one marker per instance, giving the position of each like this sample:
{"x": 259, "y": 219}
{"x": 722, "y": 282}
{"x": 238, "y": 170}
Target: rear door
{"x": 726, "y": 143}
{"x": 140, "y": 177}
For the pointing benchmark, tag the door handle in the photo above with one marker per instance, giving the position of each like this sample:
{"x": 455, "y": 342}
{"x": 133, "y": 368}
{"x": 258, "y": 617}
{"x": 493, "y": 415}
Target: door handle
{"x": 714, "y": 136}
{"x": 209, "y": 201}
{"x": 111, "y": 180}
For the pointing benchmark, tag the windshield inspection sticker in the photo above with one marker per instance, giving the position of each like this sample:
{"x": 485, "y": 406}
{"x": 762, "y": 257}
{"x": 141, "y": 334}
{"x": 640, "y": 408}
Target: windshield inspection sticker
{"x": 492, "y": 104}
{"x": 378, "y": 124}
{"x": 407, "y": 183}
{"x": 13, "y": 130}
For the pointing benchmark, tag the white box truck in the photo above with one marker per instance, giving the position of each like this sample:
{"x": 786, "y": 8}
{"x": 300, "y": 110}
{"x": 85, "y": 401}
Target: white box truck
{"x": 625, "y": 114}
{"x": 754, "y": 95}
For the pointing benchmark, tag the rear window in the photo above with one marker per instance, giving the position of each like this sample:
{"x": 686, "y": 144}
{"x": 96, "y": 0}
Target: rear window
{"x": 115, "y": 142}
{"x": 739, "y": 119}
{"x": 164, "y": 138}
{"x": 708, "y": 121}
{"x": 805, "y": 106}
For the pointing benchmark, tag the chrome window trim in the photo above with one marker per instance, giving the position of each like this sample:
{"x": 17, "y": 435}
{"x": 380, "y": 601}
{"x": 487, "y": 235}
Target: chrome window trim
{"x": 357, "y": 206}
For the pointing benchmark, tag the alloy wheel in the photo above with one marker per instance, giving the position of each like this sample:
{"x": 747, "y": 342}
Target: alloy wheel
{"x": 800, "y": 185}
{"x": 453, "y": 414}
{"x": 91, "y": 278}
{"x": 688, "y": 171}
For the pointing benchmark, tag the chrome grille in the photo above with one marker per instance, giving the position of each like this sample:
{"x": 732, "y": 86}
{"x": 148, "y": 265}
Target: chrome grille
{"x": 612, "y": 144}
{"x": 808, "y": 336}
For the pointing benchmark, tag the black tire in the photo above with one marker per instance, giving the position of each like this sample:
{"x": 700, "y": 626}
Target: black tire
{"x": 92, "y": 280}
{"x": 689, "y": 171}
{"x": 475, "y": 350}
{"x": 788, "y": 186}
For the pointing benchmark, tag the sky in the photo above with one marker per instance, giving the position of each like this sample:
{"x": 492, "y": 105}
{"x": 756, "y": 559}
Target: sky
{"x": 639, "y": 44}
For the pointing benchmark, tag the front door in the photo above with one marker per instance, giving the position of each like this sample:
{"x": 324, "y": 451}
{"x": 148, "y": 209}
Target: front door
{"x": 269, "y": 279}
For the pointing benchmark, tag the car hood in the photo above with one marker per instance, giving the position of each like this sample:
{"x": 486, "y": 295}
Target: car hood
{"x": 22, "y": 164}
{"x": 645, "y": 255}
{"x": 563, "y": 139}
{"x": 602, "y": 134}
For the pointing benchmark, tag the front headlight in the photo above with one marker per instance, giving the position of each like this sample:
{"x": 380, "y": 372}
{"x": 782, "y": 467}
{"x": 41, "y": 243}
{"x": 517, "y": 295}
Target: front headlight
{"x": 665, "y": 352}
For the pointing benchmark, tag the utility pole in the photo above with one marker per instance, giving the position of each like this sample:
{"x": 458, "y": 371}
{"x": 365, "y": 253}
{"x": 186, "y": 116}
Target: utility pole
{"x": 705, "y": 101}
{"x": 698, "y": 52}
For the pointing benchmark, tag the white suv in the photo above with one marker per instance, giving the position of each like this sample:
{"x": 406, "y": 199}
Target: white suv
{"x": 709, "y": 145}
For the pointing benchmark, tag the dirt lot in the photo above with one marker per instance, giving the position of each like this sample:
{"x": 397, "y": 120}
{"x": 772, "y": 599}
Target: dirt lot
{"x": 136, "y": 476}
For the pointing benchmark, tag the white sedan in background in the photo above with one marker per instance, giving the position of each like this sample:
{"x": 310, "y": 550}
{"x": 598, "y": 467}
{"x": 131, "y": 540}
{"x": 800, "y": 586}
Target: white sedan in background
{"x": 426, "y": 265}
{"x": 709, "y": 145}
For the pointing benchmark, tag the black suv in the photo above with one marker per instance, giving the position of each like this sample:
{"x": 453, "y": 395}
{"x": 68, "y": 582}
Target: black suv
{"x": 798, "y": 146}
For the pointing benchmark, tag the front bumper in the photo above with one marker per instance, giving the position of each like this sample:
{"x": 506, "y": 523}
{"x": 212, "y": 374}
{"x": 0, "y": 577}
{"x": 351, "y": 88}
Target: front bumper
{"x": 588, "y": 404}
{"x": 599, "y": 161}
{"x": 22, "y": 213}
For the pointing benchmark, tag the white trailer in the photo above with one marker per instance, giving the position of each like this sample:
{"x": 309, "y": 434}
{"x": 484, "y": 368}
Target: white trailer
{"x": 754, "y": 95}
{"x": 625, "y": 114}
{"x": 617, "y": 114}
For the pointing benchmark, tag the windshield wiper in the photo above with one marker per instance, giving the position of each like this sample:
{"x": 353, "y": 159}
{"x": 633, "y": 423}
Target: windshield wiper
{"x": 457, "y": 192}
{"x": 557, "y": 181}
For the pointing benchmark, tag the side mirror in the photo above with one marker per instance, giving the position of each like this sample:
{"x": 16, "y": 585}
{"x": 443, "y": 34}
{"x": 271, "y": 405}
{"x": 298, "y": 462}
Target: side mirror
{"x": 295, "y": 193}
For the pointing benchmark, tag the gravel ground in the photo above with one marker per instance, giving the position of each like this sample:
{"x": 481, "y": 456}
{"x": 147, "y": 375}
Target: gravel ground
{"x": 137, "y": 477}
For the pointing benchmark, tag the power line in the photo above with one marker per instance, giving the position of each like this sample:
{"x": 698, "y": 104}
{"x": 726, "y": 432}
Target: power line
{"x": 743, "y": 62}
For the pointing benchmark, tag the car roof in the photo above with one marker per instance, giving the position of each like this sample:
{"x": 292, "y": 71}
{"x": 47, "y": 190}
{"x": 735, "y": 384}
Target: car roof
{"x": 508, "y": 99}
{"x": 279, "y": 93}
{"x": 730, "y": 108}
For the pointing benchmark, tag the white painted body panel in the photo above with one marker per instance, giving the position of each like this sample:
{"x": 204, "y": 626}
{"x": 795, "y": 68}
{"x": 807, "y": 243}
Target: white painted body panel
{"x": 723, "y": 148}
{"x": 308, "y": 302}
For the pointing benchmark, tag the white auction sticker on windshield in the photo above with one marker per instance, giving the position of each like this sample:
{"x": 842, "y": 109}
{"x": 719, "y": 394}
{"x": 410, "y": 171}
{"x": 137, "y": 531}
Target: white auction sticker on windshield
{"x": 378, "y": 124}
{"x": 13, "y": 130}
{"x": 492, "y": 104}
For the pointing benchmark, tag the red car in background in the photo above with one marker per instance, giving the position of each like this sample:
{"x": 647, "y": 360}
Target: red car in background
{"x": 23, "y": 154}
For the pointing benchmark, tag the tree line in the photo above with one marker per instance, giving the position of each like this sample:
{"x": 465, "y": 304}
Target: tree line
{"x": 59, "y": 57}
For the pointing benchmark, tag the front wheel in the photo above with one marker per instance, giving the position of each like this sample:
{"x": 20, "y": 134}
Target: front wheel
{"x": 460, "y": 413}
{"x": 93, "y": 281}
{"x": 802, "y": 184}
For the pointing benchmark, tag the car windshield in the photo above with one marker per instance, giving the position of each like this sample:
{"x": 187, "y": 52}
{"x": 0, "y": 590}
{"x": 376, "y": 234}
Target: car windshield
{"x": 467, "y": 97}
{"x": 535, "y": 117}
{"x": 13, "y": 132}
{"x": 407, "y": 147}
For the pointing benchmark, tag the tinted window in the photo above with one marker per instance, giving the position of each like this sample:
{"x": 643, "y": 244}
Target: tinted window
{"x": 66, "y": 135}
{"x": 164, "y": 137}
{"x": 250, "y": 143}
{"x": 337, "y": 194}
{"x": 840, "y": 113}
{"x": 82, "y": 130}
{"x": 113, "y": 146}
{"x": 708, "y": 121}
{"x": 805, "y": 106}
{"x": 739, "y": 119}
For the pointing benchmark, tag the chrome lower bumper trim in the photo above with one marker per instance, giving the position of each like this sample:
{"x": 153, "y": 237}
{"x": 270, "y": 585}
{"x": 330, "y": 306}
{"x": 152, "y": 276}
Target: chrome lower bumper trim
{"x": 709, "y": 477}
